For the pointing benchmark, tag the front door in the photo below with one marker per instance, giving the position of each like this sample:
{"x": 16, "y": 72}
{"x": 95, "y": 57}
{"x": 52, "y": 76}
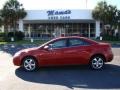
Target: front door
{"x": 54, "y": 56}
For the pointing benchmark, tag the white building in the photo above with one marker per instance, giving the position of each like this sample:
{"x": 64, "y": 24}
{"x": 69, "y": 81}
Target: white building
{"x": 50, "y": 23}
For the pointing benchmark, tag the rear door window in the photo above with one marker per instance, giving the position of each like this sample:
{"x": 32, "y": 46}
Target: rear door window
{"x": 78, "y": 42}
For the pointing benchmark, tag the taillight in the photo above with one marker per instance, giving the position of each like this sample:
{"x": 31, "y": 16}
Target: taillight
{"x": 109, "y": 48}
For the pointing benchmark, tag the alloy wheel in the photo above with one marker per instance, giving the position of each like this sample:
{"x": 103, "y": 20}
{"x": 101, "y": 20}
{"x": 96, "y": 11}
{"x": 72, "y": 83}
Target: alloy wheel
{"x": 97, "y": 62}
{"x": 29, "y": 64}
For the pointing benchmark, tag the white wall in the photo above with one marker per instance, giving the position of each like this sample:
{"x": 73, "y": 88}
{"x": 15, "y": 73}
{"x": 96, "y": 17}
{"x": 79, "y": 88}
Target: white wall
{"x": 21, "y": 25}
{"x": 42, "y": 14}
{"x": 97, "y": 29}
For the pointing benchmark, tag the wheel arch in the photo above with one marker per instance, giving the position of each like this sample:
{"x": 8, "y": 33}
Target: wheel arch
{"x": 98, "y": 54}
{"x": 29, "y": 56}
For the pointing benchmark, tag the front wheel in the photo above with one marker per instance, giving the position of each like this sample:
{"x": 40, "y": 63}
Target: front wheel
{"x": 29, "y": 64}
{"x": 97, "y": 62}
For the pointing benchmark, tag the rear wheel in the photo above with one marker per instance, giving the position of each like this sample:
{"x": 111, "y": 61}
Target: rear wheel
{"x": 29, "y": 64}
{"x": 97, "y": 62}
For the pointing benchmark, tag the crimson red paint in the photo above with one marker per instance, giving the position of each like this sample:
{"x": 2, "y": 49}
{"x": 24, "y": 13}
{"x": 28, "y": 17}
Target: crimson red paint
{"x": 66, "y": 51}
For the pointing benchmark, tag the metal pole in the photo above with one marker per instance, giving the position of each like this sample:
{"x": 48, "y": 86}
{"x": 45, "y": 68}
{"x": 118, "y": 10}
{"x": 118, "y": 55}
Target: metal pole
{"x": 29, "y": 31}
{"x": 86, "y": 4}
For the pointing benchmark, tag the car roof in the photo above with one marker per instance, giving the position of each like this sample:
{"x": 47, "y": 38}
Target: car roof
{"x": 68, "y": 37}
{"x": 83, "y": 38}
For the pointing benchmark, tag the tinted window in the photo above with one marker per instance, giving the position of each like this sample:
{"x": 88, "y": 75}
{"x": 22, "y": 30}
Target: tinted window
{"x": 59, "y": 44}
{"x": 77, "y": 42}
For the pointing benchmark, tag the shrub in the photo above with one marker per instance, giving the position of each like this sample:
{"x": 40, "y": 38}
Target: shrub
{"x": 110, "y": 38}
{"x": 18, "y": 35}
{"x": 2, "y": 36}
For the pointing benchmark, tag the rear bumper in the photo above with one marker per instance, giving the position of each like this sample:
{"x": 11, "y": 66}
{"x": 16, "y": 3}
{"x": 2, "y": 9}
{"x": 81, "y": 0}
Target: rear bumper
{"x": 109, "y": 57}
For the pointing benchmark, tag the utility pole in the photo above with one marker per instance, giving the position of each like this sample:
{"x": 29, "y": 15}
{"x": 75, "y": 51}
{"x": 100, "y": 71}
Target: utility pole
{"x": 86, "y": 3}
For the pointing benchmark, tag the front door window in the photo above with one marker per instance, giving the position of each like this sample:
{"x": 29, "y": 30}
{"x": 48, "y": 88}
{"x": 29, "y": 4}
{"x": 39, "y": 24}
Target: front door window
{"x": 59, "y": 44}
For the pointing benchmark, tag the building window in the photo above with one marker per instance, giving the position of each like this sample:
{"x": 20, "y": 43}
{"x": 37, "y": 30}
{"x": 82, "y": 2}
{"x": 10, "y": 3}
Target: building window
{"x": 48, "y": 30}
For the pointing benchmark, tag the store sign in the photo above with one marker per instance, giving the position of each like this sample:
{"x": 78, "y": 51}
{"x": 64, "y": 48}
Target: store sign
{"x": 53, "y": 12}
{"x": 59, "y": 15}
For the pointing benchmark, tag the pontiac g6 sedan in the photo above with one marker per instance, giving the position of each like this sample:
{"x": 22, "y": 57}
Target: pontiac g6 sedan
{"x": 65, "y": 51}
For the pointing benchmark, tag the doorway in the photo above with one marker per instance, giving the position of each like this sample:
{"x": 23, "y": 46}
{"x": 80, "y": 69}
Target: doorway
{"x": 59, "y": 31}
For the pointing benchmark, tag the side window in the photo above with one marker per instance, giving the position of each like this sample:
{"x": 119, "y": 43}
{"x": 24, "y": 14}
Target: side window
{"x": 77, "y": 42}
{"x": 59, "y": 44}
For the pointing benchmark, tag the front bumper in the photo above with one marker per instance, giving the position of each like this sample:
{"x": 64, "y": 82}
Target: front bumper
{"x": 16, "y": 61}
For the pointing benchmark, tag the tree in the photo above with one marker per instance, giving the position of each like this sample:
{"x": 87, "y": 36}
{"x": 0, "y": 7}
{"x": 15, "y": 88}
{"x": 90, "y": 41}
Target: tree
{"x": 0, "y": 22}
{"x": 107, "y": 14}
{"x": 99, "y": 13}
{"x": 0, "y": 19}
{"x": 12, "y": 11}
{"x": 112, "y": 18}
{"x": 118, "y": 17}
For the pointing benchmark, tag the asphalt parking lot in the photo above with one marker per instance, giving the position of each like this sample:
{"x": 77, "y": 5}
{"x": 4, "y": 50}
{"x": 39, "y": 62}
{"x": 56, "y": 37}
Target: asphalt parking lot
{"x": 57, "y": 78}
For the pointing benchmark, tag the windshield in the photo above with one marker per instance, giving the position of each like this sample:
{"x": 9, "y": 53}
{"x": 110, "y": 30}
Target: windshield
{"x": 45, "y": 44}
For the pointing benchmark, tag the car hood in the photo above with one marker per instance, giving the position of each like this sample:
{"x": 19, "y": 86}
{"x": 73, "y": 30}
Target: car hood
{"x": 23, "y": 51}
{"x": 28, "y": 49}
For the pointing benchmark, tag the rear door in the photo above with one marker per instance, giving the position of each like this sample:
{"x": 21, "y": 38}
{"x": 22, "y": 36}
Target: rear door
{"x": 78, "y": 51}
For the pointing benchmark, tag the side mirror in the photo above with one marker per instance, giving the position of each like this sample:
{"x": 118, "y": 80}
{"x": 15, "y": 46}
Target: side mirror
{"x": 50, "y": 46}
{"x": 46, "y": 47}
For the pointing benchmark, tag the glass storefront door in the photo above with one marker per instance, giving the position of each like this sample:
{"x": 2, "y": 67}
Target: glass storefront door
{"x": 51, "y": 30}
{"x": 59, "y": 30}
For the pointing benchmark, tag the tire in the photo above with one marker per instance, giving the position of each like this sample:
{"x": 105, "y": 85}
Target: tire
{"x": 97, "y": 62}
{"x": 29, "y": 64}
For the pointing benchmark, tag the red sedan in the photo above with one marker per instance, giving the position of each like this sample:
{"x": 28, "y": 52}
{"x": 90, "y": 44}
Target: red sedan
{"x": 65, "y": 51}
